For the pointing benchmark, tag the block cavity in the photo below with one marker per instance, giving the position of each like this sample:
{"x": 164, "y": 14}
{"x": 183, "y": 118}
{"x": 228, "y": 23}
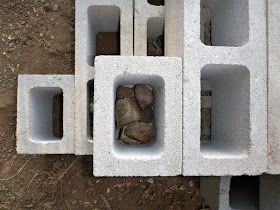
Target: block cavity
{"x": 45, "y": 123}
{"x": 103, "y": 27}
{"x": 148, "y": 27}
{"x": 163, "y": 156}
{"x": 224, "y": 23}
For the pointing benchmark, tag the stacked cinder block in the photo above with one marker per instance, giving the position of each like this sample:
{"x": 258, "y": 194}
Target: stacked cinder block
{"x": 36, "y": 94}
{"x": 235, "y": 65}
{"x": 148, "y": 24}
{"x": 163, "y": 156}
{"x": 94, "y": 17}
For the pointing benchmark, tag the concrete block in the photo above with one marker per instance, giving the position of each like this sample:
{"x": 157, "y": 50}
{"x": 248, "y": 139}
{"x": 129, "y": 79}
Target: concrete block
{"x": 162, "y": 157}
{"x": 273, "y": 87}
{"x": 240, "y": 192}
{"x": 92, "y": 18}
{"x": 236, "y": 65}
{"x": 36, "y": 113}
{"x": 148, "y": 24}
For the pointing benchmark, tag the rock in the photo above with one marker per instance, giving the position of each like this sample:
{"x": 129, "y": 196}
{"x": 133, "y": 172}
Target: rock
{"x": 127, "y": 111}
{"x": 147, "y": 115}
{"x": 144, "y": 96}
{"x": 55, "y": 7}
{"x": 127, "y": 140}
{"x": 140, "y": 131}
{"x": 124, "y": 92}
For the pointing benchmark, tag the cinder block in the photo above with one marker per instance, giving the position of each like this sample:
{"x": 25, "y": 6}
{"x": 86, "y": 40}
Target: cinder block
{"x": 273, "y": 87}
{"x": 92, "y": 18}
{"x": 148, "y": 23}
{"x": 36, "y": 114}
{"x": 228, "y": 193}
{"x": 162, "y": 157}
{"x": 236, "y": 65}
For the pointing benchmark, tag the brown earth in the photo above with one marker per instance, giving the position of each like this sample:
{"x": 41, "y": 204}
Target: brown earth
{"x": 37, "y": 37}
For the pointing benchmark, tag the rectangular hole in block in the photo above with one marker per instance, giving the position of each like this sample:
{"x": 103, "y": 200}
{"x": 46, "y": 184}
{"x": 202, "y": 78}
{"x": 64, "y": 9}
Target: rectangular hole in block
{"x": 156, "y": 2}
{"x": 224, "y": 23}
{"x": 153, "y": 147}
{"x": 134, "y": 114}
{"x": 42, "y": 109}
{"x": 90, "y": 95}
{"x": 244, "y": 192}
{"x": 104, "y": 32}
{"x": 230, "y": 96}
{"x": 155, "y": 36}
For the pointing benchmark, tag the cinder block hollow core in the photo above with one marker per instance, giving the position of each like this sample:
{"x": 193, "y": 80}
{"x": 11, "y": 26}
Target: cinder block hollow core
{"x": 224, "y": 23}
{"x": 156, "y": 145}
{"x": 229, "y": 112}
{"x": 155, "y": 32}
{"x": 244, "y": 192}
{"x": 104, "y": 26}
{"x": 41, "y": 113}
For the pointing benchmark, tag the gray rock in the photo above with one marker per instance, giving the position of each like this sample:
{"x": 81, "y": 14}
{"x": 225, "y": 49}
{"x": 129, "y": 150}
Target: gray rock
{"x": 124, "y": 92}
{"x": 144, "y": 96}
{"x": 147, "y": 115}
{"x": 127, "y": 111}
{"x": 140, "y": 131}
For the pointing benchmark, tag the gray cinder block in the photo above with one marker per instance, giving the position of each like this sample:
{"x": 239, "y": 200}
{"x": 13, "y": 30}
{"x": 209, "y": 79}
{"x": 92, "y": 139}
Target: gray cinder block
{"x": 148, "y": 23}
{"x": 35, "y": 108}
{"x": 162, "y": 157}
{"x": 236, "y": 65}
{"x": 92, "y": 17}
{"x": 273, "y": 87}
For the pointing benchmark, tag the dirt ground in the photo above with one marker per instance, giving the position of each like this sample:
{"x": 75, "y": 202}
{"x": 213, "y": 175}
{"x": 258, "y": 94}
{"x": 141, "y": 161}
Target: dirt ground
{"x": 37, "y": 37}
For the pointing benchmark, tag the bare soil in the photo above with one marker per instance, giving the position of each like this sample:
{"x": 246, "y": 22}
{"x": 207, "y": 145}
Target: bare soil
{"x": 37, "y": 37}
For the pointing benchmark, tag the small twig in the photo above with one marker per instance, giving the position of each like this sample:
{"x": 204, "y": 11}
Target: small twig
{"x": 66, "y": 170}
{"x": 108, "y": 207}
{"x": 6, "y": 179}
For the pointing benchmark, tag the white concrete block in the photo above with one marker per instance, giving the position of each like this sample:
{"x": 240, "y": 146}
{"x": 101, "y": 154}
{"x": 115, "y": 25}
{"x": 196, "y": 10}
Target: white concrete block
{"x": 236, "y": 66}
{"x": 162, "y": 157}
{"x": 273, "y": 87}
{"x": 92, "y": 17}
{"x": 35, "y": 114}
{"x": 226, "y": 193}
{"x": 148, "y": 23}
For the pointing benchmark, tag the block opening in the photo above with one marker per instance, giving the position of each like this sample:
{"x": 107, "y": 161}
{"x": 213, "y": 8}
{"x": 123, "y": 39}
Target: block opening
{"x": 156, "y": 2}
{"x": 155, "y": 36}
{"x": 156, "y": 145}
{"x": 104, "y": 32}
{"x": 230, "y": 112}
{"x": 244, "y": 192}
{"x": 224, "y": 23}
{"x": 42, "y": 109}
{"x": 90, "y": 95}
